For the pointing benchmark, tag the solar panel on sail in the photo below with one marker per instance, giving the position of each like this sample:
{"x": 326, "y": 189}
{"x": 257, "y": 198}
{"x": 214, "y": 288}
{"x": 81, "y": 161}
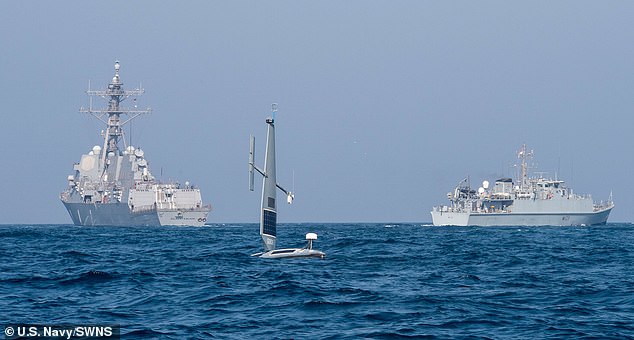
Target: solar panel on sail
{"x": 270, "y": 222}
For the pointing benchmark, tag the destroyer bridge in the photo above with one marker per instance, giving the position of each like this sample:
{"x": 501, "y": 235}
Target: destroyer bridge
{"x": 113, "y": 185}
{"x": 524, "y": 202}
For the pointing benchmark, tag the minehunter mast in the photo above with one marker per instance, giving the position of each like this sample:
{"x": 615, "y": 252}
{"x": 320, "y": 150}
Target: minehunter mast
{"x": 524, "y": 155}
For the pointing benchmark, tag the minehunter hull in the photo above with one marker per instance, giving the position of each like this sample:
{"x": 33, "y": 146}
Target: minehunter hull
{"x": 119, "y": 214}
{"x": 513, "y": 219}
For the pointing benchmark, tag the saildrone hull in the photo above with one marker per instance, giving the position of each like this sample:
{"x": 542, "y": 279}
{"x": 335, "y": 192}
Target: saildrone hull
{"x": 291, "y": 253}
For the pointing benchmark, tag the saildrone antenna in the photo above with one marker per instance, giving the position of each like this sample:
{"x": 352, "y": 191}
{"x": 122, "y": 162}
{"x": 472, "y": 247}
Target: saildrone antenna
{"x": 273, "y": 111}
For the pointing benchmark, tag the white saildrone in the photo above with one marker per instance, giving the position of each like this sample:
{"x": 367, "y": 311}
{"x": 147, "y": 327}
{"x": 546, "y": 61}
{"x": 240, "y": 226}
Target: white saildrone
{"x": 268, "y": 217}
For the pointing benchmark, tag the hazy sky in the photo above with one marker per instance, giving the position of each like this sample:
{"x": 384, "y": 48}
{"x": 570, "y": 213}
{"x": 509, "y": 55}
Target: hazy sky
{"x": 383, "y": 105}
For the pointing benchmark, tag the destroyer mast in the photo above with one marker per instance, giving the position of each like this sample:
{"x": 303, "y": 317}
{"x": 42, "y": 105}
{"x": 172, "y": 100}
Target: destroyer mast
{"x": 115, "y": 94}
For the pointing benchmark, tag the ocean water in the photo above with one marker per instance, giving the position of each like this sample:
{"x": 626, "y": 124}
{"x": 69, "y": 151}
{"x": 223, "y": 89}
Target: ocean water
{"x": 378, "y": 281}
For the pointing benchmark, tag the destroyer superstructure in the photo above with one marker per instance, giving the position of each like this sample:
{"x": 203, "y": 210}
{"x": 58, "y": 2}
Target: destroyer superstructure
{"x": 113, "y": 185}
{"x": 529, "y": 201}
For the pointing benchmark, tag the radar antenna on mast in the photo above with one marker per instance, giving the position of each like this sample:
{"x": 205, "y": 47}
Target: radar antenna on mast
{"x": 115, "y": 95}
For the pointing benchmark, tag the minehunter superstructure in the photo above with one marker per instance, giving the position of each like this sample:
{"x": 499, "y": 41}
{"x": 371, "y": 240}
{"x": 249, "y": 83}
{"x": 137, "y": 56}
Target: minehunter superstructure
{"x": 112, "y": 184}
{"x": 529, "y": 201}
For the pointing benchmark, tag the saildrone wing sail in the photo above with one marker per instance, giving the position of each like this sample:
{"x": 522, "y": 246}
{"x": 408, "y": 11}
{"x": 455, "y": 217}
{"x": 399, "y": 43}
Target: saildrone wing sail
{"x": 268, "y": 220}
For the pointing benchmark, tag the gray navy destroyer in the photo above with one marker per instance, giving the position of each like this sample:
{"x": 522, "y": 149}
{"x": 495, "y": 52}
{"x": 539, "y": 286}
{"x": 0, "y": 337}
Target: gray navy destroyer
{"x": 113, "y": 185}
{"x": 529, "y": 201}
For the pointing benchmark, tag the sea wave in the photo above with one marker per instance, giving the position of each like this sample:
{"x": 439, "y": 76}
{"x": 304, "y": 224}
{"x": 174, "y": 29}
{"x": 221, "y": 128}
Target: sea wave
{"x": 378, "y": 280}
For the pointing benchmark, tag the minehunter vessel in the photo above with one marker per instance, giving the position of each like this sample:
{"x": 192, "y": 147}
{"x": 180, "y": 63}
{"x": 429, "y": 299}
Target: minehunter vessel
{"x": 529, "y": 201}
{"x": 113, "y": 185}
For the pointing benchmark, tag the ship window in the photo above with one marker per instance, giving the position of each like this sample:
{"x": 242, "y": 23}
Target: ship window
{"x": 271, "y": 202}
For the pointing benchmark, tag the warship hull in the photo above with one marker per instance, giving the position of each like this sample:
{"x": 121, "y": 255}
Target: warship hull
{"x": 119, "y": 214}
{"x": 514, "y": 219}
